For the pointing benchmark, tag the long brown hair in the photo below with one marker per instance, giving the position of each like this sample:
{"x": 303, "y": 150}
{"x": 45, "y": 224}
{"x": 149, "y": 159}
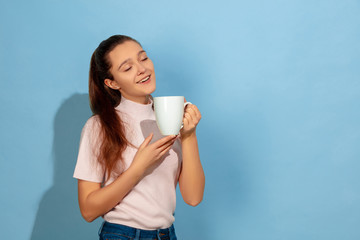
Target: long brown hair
{"x": 103, "y": 101}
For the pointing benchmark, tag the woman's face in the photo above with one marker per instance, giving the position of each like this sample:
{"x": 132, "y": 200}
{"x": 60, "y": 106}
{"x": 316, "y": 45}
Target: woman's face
{"x": 133, "y": 72}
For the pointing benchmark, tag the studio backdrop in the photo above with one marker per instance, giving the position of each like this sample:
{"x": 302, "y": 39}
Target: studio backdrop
{"x": 277, "y": 83}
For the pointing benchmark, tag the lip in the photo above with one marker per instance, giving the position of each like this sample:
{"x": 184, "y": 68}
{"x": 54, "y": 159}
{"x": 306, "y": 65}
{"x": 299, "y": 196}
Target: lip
{"x": 138, "y": 82}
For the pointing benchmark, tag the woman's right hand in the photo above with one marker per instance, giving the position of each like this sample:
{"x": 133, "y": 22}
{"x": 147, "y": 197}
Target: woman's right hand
{"x": 148, "y": 154}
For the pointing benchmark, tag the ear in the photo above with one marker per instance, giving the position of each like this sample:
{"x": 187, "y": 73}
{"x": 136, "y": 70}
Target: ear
{"x": 111, "y": 84}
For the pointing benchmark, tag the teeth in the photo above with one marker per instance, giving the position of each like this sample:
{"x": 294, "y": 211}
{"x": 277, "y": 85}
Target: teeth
{"x": 144, "y": 80}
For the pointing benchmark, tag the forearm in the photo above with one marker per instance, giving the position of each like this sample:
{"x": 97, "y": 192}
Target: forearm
{"x": 95, "y": 203}
{"x": 192, "y": 178}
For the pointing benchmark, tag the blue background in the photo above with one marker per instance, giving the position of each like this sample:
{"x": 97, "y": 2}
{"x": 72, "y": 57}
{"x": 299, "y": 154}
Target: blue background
{"x": 277, "y": 82}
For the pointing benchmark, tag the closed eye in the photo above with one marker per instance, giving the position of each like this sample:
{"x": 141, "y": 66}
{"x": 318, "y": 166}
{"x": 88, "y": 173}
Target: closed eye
{"x": 127, "y": 69}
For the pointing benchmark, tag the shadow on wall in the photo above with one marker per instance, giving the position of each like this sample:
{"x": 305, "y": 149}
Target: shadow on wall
{"x": 58, "y": 216}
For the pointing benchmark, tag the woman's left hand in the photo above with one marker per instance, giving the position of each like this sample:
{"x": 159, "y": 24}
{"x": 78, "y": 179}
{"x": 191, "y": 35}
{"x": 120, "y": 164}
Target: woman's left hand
{"x": 191, "y": 119}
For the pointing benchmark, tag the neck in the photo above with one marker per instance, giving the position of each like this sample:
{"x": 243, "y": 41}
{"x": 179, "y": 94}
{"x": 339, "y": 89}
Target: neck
{"x": 141, "y": 99}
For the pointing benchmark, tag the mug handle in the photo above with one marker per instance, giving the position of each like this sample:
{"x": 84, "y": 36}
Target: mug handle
{"x": 185, "y": 104}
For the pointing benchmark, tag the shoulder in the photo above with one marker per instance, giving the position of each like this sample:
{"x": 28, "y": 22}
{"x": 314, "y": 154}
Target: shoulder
{"x": 92, "y": 122}
{"x": 92, "y": 126}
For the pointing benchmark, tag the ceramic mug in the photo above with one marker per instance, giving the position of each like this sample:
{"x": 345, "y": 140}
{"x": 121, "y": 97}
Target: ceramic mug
{"x": 169, "y": 113}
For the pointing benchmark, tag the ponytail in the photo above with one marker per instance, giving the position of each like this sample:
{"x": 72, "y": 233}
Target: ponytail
{"x": 103, "y": 101}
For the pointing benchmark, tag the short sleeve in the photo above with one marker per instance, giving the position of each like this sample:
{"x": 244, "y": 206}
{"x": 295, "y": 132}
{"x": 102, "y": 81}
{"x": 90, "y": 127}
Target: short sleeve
{"x": 87, "y": 166}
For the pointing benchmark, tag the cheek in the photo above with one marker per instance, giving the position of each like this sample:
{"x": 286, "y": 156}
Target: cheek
{"x": 150, "y": 65}
{"x": 125, "y": 80}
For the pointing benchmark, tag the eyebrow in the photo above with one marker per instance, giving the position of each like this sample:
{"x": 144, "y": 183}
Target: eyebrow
{"x": 140, "y": 52}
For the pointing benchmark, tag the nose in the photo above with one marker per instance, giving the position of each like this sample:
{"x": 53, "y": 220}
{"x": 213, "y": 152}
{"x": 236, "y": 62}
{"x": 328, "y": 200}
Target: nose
{"x": 141, "y": 68}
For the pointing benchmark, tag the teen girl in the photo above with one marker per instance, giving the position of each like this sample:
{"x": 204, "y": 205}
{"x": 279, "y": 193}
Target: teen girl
{"x": 127, "y": 171}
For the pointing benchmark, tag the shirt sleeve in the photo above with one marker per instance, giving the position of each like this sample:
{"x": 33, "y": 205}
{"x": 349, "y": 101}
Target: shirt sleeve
{"x": 87, "y": 166}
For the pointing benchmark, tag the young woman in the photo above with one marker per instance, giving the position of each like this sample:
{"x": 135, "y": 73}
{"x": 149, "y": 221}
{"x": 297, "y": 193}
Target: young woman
{"x": 127, "y": 171}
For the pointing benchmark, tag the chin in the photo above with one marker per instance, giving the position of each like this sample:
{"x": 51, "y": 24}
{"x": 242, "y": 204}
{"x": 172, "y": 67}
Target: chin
{"x": 153, "y": 88}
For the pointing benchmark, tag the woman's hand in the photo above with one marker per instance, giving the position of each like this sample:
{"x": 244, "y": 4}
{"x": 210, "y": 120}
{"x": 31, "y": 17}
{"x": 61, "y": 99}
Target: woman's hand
{"x": 191, "y": 119}
{"x": 148, "y": 154}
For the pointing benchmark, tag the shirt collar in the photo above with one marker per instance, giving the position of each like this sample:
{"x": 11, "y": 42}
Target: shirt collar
{"x": 135, "y": 109}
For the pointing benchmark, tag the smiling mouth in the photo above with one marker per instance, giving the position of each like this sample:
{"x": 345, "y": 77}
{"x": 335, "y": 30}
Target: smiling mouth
{"x": 144, "y": 80}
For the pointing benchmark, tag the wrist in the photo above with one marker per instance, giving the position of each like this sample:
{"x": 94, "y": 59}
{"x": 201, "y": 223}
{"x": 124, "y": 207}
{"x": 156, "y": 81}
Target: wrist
{"x": 136, "y": 171}
{"x": 188, "y": 135}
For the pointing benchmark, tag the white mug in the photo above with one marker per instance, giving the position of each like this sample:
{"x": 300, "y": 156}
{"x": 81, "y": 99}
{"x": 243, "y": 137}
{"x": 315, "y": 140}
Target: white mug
{"x": 169, "y": 113}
